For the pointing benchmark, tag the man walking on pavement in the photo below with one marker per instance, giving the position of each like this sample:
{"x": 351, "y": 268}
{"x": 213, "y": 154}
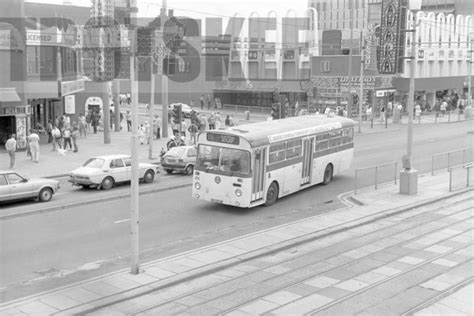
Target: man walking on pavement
{"x": 33, "y": 140}
{"x": 129, "y": 121}
{"x": 10, "y": 146}
{"x": 202, "y": 102}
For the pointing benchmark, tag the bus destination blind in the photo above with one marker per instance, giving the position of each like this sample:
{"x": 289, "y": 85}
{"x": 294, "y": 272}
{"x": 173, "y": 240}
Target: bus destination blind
{"x": 222, "y": 138}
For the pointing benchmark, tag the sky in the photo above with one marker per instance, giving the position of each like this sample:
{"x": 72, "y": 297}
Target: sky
{"x": 203, "y": 8}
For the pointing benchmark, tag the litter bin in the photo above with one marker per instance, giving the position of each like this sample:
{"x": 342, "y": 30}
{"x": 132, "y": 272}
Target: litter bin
{"x": 247, "y": 115}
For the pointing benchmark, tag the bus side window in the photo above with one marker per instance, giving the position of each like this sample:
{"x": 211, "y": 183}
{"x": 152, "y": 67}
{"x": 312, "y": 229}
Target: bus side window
{"x": 322, "y": 141}
{"x": 293, "y": 148}
{"x": 276, "y": 153}
{"x": 335, "y": 138}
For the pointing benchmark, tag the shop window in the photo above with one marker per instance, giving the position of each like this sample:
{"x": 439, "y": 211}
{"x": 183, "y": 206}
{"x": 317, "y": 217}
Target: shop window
{"x": 47, "y": 60}
{"x": 32, "y": 57}
{"x": 277, "y": 153}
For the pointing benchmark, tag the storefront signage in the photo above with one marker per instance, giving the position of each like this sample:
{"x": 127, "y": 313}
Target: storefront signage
{"x": 70, "y": 87}
{"x": 70, "y": 104}
{"x": 14, "y": 110}
{"x": 223, "y": 138}
{"x": 21, "y": 132}
{"x": 10, "y": 38}
{"x": 52, "y": 36}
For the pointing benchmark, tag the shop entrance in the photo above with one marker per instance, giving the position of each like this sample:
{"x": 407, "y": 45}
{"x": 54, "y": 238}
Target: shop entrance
{"x": 7, "y": 126}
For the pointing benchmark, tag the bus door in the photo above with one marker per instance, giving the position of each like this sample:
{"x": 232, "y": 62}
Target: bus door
{"x": 307, "y": 160}
{"x": 258, "y": 174}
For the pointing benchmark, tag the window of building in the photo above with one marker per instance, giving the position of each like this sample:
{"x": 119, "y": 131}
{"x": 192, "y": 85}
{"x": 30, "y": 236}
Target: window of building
{"x": 32, "y": 57}
{"x": 277, "y": 153}
{"x": 47, "y": 60}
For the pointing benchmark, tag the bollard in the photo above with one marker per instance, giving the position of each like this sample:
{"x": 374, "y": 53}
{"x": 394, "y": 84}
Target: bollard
{"x": 449, "y": 160}
{"x": 450, "y": 179}
{"x": 396, "y": 167}
{"x": 355, "y": 182}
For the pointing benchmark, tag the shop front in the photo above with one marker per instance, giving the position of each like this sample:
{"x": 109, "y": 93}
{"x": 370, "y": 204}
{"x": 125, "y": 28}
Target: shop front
{"x": 14, "y": 117}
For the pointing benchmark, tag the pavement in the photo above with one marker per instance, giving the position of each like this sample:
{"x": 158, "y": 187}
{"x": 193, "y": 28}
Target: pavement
{"x": 382, "y": 254}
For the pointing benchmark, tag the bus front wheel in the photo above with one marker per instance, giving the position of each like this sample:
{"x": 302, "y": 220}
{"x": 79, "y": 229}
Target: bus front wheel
{"x": 328, "y": 173}
{"x": 272, "y": 194}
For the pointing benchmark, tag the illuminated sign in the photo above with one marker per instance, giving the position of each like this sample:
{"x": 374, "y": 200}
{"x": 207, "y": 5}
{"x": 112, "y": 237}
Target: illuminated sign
{"x": 223, "y": 138}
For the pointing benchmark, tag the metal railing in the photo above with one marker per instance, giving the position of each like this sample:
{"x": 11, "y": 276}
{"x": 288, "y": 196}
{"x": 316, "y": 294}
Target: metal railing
{"x": 376, "y": 175}
{"x": 259, "y": 110}
{"x": 458, "y": 180}
{"x": 450, "y": 159}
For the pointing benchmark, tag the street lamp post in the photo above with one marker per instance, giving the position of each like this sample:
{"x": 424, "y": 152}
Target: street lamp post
{"x": 469, "y": 91}
{"x": 408, "y": 175}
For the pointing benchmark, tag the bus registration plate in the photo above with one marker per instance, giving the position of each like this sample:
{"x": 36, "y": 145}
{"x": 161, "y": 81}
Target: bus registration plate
{"x": 216, "y": 201}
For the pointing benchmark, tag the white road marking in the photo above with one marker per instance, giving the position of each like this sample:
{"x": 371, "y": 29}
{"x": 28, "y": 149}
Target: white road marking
{"x": 122, "y": 221}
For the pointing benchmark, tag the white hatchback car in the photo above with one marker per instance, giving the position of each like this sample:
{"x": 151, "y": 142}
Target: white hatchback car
{"x": 103, "y": 172}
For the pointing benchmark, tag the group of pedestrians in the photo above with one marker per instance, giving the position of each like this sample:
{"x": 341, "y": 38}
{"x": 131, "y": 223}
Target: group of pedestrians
{"x": 32, "y": 147}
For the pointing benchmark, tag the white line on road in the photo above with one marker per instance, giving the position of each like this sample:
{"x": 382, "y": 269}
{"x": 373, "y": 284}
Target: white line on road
{"x": 122, "y": 221}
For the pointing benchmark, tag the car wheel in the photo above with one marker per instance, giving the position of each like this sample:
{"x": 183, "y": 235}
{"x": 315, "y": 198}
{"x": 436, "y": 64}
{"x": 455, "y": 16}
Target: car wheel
{"x": 272, "y": 194}
{"x": 45, "y": 195}
{"x": 107, "y": 183}
{"x": 328, "y": 173}
{"x": 169, "y": 171}
{"x": 189, "y": 169}
{"x": 149, "y": 176}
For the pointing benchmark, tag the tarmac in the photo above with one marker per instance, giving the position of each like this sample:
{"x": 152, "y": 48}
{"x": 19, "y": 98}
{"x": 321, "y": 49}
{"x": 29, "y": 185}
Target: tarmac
{"x": 382, "y": 254}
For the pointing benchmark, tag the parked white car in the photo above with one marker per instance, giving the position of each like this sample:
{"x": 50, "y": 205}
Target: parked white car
{"x": 103, "y": 172}
{"x": 14, "y": 187}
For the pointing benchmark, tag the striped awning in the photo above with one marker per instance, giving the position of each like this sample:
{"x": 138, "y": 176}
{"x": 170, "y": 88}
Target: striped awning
{"x": 9, "y": 95}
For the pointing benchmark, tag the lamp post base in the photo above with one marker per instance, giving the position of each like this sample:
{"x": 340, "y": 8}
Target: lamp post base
{"x": 409, "y": 181}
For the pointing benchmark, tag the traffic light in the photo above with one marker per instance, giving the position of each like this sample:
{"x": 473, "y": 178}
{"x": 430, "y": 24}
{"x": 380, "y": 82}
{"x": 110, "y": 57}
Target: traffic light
{"x": 276, "y": 111}
{"x": 177, "y": 114}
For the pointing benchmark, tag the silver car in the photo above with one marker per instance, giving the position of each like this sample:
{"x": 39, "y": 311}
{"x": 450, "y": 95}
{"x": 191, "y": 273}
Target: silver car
{"x": 103, "y": 172}
{"x": 15, "y": 187}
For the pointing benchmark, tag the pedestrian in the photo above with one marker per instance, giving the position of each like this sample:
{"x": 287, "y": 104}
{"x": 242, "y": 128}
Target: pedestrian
{"x": 209, "y": 101}
{"x": 369, "y": 113}
{"x": 95, "y": 120}
{"x": 184, "y": 128}
{"x": 33, "y": 141}
{"x": 56, "y": 138}
{"x": 88, "y": 120}
{"x": 171, "y": 143}
{"x": 147, "y": 132}
{"x": 67, "y": 138}
{"x": 128, "y": 116}
{"x": 82, "y": 125}
{"x": 192, "y": 103}
{"x": 175, "y": 128}
{"x": 158, "y": 127}
{"x": 129, "y": 98}
{"x": 193, "y": 130}
{"x": 231, "y": 119}
{"x": 211, "y": 121}
{"x": 49, "y": 130}
{"x": 121, "y": 120}
{"x": 141, "y": 134}
{"x": 74, "y": 136}
{"x": 418, "y": 112}
{"x": 112, "y": 117}
{"x": 443, "y": 107}
{"x": 202, "y": 102}
{"x": 202, "y": 123}
{"x": 382, "y": 114}
{"x": 67, "y": 121}
{"x": 10, "y": 146}
{"x": 60, "y": 123}
{"x": 227, "y": 121}
{"x": 218, "y": 119}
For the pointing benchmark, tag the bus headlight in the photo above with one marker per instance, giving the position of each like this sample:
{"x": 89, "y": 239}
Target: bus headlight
{"x": 197, "y": 185}
{"x": 238, "y": 192}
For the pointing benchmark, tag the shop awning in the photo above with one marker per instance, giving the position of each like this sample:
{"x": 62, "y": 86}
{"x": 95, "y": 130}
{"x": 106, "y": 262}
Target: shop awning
{"x": 9, "y": 95}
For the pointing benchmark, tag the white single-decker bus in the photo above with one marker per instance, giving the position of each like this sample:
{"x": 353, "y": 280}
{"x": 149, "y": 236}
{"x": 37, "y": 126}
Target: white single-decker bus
{"x": 258, "y": 163}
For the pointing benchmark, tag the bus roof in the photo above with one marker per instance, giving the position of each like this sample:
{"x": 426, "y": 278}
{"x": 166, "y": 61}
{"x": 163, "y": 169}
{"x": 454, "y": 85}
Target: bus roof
{"x": 267, "y": 132}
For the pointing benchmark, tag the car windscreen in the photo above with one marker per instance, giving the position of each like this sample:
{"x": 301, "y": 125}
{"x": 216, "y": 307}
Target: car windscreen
{"x": 94, "y": 163}
{"x": 230, "y": 161}
{"x": 176, "y": 151}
